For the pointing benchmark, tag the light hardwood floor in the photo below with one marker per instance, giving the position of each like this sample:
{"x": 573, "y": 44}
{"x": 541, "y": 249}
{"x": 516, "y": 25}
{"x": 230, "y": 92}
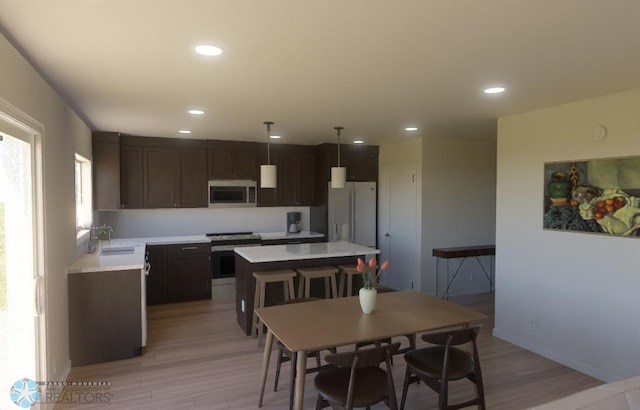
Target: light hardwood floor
{"x": 197, "y": 357}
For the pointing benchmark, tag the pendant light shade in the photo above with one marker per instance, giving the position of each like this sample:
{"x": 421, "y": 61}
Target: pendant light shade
{"x": 338, "y": 177}
{"x": 338, "y": 174}
{"x": 268, "y": 176}
{"x": 268, "y": 172}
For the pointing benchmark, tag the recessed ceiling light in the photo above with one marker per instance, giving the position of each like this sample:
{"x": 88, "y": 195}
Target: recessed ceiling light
{"x": 184, "y": 132}
{"x": 411, "y": 129}
{"x": 494, "y": 90}
{"x": 275, "y": 137}
{"x": 358, "y": 142}
{"x": 196, "y": 112}
{"x": 207, "y": 50}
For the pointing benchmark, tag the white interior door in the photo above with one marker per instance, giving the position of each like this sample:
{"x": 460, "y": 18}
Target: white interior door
{"x": 400, "y": 228}
{"x": 21, "y": 274}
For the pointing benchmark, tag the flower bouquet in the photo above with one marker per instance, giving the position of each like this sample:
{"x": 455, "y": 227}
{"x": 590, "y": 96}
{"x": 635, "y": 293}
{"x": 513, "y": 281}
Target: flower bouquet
{"x": 370, "y": 272}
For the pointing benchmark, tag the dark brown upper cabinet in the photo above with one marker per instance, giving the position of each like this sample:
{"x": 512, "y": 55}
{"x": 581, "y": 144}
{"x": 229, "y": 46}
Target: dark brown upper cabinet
{"x": 232, "y": 160}
{"x": 174, "y": 177}
{"x": 106, "y": 170}
{"x": 169, "y": 172}
{"x": 162, "y": 173}
{"x": 295, "y": 175}
{"x": 131, "y": 176}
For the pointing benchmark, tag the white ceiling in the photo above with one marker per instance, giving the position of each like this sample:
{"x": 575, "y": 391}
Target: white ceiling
{"x": 372, "y": 66}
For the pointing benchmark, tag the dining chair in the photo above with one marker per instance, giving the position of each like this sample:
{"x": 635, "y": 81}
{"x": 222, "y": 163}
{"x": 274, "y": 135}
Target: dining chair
{"x": 357, "y": 380}
{"x": 286, "y": 355}
{"x": 439, "y": 364}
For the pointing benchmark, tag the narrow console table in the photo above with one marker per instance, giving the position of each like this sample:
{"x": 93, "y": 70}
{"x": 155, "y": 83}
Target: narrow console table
{"x": 463, "y": 252}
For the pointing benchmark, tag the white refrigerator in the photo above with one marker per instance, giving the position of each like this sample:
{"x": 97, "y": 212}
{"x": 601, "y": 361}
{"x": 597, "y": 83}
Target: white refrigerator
{"x": 352, "y": 213}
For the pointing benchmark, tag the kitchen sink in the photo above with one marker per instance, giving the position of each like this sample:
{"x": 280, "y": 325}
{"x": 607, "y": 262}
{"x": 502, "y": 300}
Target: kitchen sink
{"x": 117, "y": 250}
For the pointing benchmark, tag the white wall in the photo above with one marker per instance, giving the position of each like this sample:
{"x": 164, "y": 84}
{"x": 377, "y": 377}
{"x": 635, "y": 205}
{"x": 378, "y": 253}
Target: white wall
{"x": 26, "y": 90}
{"x": 571, "y": 297}
{"x": 136, "y": 223}
{"x": 458, "y": 209}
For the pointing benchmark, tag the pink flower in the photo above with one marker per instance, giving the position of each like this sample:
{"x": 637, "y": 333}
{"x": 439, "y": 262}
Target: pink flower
{"x": 384, "y": 265}
{"x": 360, "y": 265}
{"x": 372, "y": 262}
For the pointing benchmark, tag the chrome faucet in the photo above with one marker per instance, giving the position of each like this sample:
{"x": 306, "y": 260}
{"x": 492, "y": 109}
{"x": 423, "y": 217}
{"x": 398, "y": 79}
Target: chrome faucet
{"x": 94, "y": 236}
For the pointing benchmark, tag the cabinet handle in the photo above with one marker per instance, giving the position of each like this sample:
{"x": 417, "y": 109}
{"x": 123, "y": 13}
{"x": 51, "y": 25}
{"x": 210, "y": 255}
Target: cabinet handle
{"x": 189, "y": 248}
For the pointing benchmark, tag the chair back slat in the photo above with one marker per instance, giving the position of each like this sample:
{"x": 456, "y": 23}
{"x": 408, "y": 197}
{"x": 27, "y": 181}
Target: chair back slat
{"x": 458, "y": 336}
{"x": 363, "y": 357}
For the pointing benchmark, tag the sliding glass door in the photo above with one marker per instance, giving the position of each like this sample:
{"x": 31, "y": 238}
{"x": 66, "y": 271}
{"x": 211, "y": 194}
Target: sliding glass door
{"x": 21, "y": 274}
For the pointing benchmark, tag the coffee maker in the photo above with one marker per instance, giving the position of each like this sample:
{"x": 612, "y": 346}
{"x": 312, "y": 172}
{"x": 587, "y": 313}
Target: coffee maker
{"x": 293, "y": 222}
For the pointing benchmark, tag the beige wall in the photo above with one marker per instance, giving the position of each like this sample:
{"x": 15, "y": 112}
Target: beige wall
{"x": 64, "y": 132}
{"x": 572, "y": 297}
{"x": 457, "y": 183}
{"x": 458, "y": 209}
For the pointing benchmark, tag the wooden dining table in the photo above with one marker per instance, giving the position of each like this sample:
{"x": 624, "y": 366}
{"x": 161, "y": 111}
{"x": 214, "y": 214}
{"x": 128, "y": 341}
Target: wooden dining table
{"x": 329, "y": 323}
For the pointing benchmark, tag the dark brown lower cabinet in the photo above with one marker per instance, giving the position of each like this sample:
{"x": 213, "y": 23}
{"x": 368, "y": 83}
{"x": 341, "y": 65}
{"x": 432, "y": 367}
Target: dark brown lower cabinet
{"x": 105, "y": 316}
{"x": 189, "y": 272}
{"x": 157, "y": 277}
{"x": 179, "y": 273}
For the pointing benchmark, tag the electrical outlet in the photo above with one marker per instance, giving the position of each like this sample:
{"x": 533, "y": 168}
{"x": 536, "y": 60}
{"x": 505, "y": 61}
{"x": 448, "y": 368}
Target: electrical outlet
{"x": 242, "y": 306}
{"x": 533, "y": 324}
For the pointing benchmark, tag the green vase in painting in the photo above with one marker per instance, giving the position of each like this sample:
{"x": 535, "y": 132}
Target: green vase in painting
{"x": 559, "y": 188}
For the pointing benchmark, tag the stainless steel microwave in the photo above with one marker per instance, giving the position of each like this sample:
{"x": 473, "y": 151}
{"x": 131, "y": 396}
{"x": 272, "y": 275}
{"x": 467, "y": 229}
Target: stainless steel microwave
{"x": 227, "y": 193}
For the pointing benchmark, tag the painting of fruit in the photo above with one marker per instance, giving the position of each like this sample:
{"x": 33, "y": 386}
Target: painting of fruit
{"x": 594, "y": 196}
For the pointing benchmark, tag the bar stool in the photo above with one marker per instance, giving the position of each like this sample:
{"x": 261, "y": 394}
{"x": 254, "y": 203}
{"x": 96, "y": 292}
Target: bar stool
{"x": 346, "y": 275}
{"x": 262, "y": 278}
{"x": 326, "y": 272}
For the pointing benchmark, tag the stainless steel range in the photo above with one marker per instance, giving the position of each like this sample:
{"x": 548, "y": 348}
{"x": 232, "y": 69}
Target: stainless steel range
{"x": 222, "y": 254}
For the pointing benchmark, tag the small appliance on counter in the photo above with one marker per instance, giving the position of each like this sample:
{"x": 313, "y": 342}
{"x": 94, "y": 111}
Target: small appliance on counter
{"x": 293, "y": 222}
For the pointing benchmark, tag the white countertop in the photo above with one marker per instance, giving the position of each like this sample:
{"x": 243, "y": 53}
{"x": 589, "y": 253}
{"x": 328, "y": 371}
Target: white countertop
{"x": 268, "y": 236}
{"x": 95, "y": 262}
{"x": 274, "y": 253}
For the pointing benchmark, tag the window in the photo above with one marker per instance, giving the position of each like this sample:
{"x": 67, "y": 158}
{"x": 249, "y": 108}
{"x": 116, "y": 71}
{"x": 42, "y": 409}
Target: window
{"x": 83, "y": 197}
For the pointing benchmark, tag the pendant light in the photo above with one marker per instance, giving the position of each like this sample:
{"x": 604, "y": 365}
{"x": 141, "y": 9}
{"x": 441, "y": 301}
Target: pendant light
{"x": 338, "y": 174}
{"x": 268, "y": 173}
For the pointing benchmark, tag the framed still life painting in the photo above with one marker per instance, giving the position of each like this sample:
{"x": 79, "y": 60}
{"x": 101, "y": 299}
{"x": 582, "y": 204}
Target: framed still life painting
{"x": 595, "y": 196}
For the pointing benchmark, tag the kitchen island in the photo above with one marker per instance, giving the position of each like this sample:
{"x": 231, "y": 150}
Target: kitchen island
{"x": 293, "y": 256}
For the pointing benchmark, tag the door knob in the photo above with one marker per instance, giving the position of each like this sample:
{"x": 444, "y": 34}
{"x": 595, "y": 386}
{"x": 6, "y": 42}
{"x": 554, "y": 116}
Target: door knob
{"x": 387, "y": 235}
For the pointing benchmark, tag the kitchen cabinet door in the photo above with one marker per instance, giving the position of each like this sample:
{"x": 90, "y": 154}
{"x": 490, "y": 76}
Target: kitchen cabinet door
{"x": 304, "y": 181}
{"x": 296, "y": 180}
{"x": 105, "y": 316}
{"x": 157, "y": 278}
{"x": 220, "y": 164}
{"x": 131, "y": 177}
{"x": 295, "y": 176}
{"x": 160, "y": 183}
{"x": 106, "y": 170}
{"x": 188, "y": 272}
{"x": 287, "y": 176}
{"x": 361, "y": 166}
{"x": 192, "y": 179}
{"x": 232, "y": 164}
{"x": 245, "y": 165}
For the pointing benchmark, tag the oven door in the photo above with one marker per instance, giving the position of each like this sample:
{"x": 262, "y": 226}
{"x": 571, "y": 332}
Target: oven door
{"x": 223, "y": 264}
